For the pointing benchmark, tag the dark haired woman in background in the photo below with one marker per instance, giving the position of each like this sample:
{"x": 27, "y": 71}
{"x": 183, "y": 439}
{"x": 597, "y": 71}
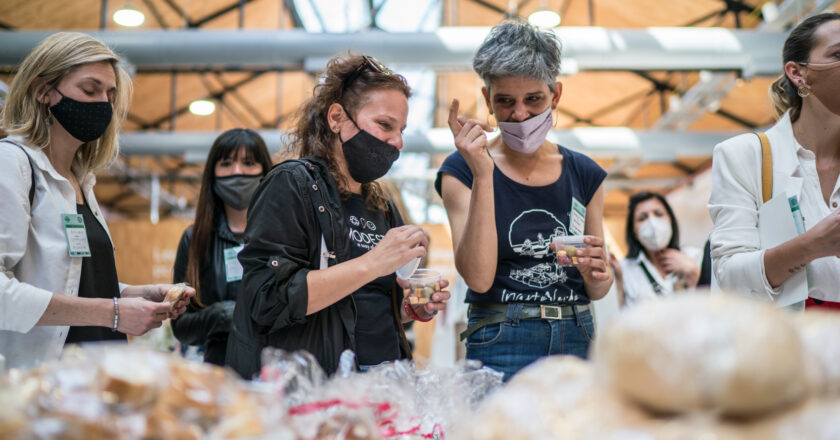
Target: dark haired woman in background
{"x": 207, "y": 253}
{"x": 805, "y": 143}
{"x": 655, "y": 264}
{"x": 324, "y": 240}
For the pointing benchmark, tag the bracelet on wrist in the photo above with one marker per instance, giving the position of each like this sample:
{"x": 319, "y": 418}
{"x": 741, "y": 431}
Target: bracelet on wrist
{"x": 116, "y": 314}
{"x": 409, "y": 311}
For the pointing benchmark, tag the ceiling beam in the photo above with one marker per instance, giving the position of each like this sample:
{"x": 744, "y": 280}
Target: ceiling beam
{"x": 585, "y": 48}
{"x": 155, "y": 13}
{"x": 218, "y": 95}
{"x": 596, "y": 142}
{"x": 707, "y": 93}
{"x": 214, "y": 15}
{"x": 289, "y": 5}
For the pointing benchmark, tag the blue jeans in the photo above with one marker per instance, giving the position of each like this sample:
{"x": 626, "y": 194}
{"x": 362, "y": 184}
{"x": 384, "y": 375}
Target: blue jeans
{"x": 512, "y": 345}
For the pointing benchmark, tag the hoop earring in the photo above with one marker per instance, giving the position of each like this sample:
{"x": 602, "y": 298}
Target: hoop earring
{"x": 803, "y": 91}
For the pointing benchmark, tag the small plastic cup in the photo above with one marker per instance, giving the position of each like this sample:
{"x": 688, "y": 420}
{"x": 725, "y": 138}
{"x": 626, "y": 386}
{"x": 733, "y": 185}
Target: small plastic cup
{"x": 423, "y": 283}
{"x": 566, "y": 247}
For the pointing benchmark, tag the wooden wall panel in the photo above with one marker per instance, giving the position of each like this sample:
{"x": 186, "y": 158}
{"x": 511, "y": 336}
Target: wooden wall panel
{"x": 145, "y": 252}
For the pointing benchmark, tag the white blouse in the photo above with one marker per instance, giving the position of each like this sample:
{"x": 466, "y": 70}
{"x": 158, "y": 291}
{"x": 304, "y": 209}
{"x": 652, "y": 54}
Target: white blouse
{"x": 637, "y": 286}
{"x": 823, "y": 273}
{"x": 34, "y": 261}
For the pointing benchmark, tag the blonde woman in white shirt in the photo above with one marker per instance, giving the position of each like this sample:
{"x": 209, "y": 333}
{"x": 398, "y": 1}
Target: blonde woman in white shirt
{"x": 63, "y": 116}
{"x": 655, "y": 266}
{"x": 805, "y": 143}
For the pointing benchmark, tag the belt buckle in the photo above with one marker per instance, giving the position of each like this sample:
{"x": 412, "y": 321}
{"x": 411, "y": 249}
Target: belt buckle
{"x": 551, "y": 312}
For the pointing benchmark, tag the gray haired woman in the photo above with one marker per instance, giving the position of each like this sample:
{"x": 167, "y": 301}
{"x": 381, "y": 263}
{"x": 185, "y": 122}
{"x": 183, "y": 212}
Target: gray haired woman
{"x": 509, "y": 197}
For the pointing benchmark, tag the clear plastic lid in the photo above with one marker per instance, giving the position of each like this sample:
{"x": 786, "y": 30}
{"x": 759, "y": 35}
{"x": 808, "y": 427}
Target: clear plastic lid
{"x": 406, "y": 271}
{"x": 570, "y": 240}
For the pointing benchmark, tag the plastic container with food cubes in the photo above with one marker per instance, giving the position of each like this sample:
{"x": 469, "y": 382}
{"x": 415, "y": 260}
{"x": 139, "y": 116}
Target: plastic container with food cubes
{"x": 423, "y": 283}
{"x": 566, "y": 248}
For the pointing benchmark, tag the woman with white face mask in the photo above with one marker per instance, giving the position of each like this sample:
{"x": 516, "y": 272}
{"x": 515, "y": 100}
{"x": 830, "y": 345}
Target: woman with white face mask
{"x": 655, "y": 265}
{"x": 509, "y": 196}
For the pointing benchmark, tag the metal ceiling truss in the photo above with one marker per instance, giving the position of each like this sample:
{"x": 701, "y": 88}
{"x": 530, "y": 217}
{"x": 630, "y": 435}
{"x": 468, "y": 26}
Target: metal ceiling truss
{"x": 149, "y": 189}
{"x": 446, "y": 49}
{"x": 597, "y": 142}
{"x": 714, "y": 86}
{"x": 155, "y": 13}
{"x": 238, "y": 4}
{"x": 156, "y": 124}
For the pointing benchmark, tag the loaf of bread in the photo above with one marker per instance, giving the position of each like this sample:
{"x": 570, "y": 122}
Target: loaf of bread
{"x": 701, "y": 352}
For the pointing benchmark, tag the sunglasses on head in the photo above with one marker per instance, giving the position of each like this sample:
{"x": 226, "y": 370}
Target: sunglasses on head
{"x": 367, "y": 63}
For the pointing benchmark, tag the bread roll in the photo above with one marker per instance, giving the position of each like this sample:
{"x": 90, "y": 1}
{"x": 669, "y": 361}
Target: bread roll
{"x": 131, "y": 378}
{"x": 561, "y": 398}
{"x": 696, "y": 352}
{"x": 820, "y": 333}
{"x": 175, "y": 293}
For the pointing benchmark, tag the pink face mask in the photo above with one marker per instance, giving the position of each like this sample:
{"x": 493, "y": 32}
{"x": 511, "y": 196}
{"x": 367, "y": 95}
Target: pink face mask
{"x": 527, "y": 136}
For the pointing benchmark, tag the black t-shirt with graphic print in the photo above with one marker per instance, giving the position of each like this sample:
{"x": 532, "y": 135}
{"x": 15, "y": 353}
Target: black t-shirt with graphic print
{"x": 527, "y": 218}
{"x": 377, "y": 337}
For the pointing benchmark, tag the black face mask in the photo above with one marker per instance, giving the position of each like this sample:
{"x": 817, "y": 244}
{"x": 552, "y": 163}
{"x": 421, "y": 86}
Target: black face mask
{"x": 236, "y": 191}
{"x": 368, "y": 157}
{"x": 85, "y": 121}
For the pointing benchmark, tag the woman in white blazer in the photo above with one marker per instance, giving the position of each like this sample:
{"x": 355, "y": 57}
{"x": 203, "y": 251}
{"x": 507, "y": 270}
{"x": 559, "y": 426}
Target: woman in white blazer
{"x": 57, "y": 273}
{"x": 805, "y": 145}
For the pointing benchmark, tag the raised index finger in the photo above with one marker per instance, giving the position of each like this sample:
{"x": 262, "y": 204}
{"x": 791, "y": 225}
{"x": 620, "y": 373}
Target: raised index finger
{"x": 454, "y": 125}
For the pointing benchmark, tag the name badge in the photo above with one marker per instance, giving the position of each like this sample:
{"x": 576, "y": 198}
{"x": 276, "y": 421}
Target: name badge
{"x": 76, "y": 234}
{"x": 577, "y": 218}
{"x": 233, "y": 269}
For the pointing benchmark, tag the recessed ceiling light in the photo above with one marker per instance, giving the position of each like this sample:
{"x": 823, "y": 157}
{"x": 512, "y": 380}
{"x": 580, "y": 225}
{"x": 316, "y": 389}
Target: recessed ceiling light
{"x": 129, "y": 17}
{"x": 544, "y": 18}
{"x": 202, "y": 107}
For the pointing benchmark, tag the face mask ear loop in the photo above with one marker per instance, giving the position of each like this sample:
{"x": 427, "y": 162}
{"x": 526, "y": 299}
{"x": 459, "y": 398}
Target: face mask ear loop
{"x": 350, "y": 118}
{"x": 59, "y": 91}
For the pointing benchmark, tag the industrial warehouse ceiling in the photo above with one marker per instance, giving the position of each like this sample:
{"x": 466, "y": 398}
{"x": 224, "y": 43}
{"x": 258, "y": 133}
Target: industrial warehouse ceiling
{"x": 637, "y": 92}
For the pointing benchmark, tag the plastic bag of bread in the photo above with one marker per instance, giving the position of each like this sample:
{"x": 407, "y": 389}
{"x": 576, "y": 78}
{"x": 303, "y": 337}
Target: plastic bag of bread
{"x": 13, "y": 417}
{"x": 296, "y": 374}
{"x": 62, "y": 400}
{"x": 704, "y": 352}
{"x": 118, "y": 391}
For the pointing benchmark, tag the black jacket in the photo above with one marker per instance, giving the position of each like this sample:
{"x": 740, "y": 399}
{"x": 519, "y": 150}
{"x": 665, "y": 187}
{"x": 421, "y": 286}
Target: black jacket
{"x": 295, "y": 202}
{"x": 208, "y": 326}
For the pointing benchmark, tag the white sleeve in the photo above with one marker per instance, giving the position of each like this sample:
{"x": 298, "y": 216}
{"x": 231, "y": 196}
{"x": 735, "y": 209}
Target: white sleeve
{"x": 21, "y": 304}
{"x": 737, "y": 257}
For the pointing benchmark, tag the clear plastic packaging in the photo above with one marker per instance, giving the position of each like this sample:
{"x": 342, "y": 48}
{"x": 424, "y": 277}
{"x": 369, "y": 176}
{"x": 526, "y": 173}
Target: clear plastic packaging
{"x": 408, "y": 269}
{"x": 565, "y": 248}
{"x": 422, "y": 284}
{"x": 118, "y": 391}
{"x": 392, "y": 400}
